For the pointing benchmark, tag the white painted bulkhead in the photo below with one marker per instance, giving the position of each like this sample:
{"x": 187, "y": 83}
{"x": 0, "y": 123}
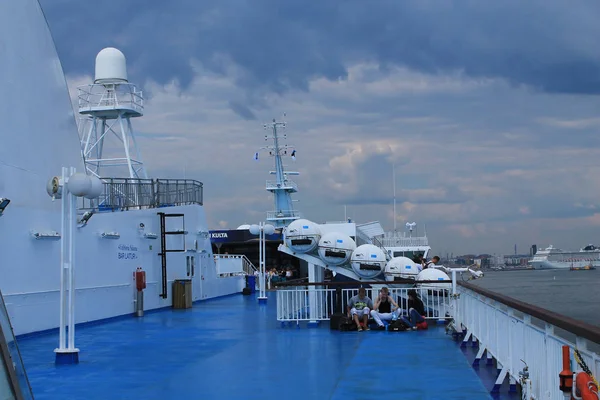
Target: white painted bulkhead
{"x": 39, "y": 136}
{"x": 104, "y": 269}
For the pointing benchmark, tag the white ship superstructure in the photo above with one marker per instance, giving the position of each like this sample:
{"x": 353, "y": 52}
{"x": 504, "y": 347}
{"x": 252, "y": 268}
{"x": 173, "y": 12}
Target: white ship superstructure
{"x": 555, "y": 258}
{"x": 158, "y": 225}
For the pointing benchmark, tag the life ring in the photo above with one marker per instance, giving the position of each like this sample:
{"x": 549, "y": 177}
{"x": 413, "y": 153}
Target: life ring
{"x": 586, "y": 388}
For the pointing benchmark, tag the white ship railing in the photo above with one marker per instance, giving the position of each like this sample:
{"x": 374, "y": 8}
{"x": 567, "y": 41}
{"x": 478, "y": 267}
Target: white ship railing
{"x": 509, "y": 335}
{"x": 391, "y": 240}
{"x": 294, "y": 304}
{"x": 122, "y": 96}
{"x": 234, "y": 264}
{"x": 120, "y": 194}
{"x": 289, "y": 214}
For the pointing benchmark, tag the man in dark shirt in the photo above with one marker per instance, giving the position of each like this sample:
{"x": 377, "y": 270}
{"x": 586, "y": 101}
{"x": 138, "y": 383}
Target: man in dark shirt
{"x": 416, "y": 310}
{"x": 385, "y": 308}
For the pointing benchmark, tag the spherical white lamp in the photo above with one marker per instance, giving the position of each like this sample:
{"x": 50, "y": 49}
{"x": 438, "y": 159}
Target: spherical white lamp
{"x": 96, "y": 187}
{"x": 269, "y": 229}
{"x": 79, "y": 184}
{"x": 254, "y": 229}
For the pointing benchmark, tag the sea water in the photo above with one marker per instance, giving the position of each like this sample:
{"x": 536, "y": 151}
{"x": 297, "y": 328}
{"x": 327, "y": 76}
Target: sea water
{"x": 575, "y": 294}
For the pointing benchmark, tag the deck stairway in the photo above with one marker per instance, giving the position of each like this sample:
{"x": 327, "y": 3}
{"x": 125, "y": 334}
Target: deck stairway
{"x": 370, "y": 233}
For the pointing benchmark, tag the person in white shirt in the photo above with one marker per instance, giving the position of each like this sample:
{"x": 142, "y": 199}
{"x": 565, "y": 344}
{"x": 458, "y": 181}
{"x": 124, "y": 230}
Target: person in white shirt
{"x": 385, "y": 308}
{"x": 431, "y": 263}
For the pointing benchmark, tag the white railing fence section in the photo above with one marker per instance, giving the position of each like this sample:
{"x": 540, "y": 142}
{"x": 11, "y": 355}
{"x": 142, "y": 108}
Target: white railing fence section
{"x": 302, "y": 303}
{"x": 515, "y": 340}
{"x": 248, "y": 267}
{"x": 294, "y": 304}
{"x": 233, "y": 264}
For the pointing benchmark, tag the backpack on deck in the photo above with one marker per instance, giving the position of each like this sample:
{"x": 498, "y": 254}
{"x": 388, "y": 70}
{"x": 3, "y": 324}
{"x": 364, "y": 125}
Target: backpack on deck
{"x": 347, "y": 324}
{"x": 397, "y": 326}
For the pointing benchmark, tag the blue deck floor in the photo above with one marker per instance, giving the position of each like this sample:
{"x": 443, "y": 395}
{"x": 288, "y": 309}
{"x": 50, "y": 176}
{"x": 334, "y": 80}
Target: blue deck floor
{"x": 232, "y": 348}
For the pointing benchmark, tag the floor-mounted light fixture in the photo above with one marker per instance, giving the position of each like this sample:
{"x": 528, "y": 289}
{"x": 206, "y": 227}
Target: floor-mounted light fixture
{"x": 85, "y": 218}
{"x": 262, "y": 230}
{"x": 3, "y": 204}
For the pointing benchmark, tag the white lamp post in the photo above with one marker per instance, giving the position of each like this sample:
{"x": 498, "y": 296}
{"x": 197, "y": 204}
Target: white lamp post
{"x": 410, "y": 226}
{"x": 68, "y": 187}
{"x": 261, "y": 230}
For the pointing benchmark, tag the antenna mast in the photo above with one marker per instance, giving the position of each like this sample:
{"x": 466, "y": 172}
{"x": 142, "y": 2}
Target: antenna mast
{"x": 281, "y": 187}
{"x": 394, "y": 182}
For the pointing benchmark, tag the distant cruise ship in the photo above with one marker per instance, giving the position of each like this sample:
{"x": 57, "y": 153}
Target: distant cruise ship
{"x": 555, "y": 258}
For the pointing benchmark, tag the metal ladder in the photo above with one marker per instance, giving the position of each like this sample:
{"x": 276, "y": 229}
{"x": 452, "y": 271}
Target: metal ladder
{"x": 163, "y": 245}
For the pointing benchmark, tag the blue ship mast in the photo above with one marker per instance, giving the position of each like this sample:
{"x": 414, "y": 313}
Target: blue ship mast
{"x": 282, "y": 187}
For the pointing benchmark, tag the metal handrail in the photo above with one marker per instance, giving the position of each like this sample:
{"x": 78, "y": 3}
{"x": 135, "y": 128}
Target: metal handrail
{"x": 393, "y": 240}
{"x": 294, "y": 304}
{"x": 284, "y": 214}
{"x": 579, "y": 328}
{"x": 121, "y": 194}
{"x": 118, "y": 96}
{"x": 365, "y": 283}
{"x": 509, "y": 331}
{"x": 287, "y": 184}
{"x": 248, "y": 267}
{"x": 10, "y": 357}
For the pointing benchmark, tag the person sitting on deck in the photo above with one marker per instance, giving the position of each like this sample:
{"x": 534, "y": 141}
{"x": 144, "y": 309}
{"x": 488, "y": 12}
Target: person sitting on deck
{"x": 385, "y": 308}
{"x": 416, "y": 310}
{"x": 360, "y": 306}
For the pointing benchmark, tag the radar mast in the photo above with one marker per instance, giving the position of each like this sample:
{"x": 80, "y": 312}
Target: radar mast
{"x": 282, "y": 187}
{"x": 108, "y": 106}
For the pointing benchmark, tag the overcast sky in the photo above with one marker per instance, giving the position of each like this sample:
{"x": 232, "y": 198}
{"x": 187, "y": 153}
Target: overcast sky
{"x": 489, "y": 110}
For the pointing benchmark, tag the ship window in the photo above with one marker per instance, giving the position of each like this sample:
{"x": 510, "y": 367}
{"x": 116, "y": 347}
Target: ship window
{"x": 408, "y": 254}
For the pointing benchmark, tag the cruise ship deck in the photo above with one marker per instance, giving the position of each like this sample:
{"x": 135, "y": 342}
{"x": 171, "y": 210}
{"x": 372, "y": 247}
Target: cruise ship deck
{"x": 231, "y": 347}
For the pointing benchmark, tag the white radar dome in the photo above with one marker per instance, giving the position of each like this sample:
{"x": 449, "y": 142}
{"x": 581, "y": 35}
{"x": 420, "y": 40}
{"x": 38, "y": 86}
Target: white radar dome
{"x": 335, "y": 248}
{"x": 434, "y": 274}
{"x": 302, "y": 235}
{"x": 111, "y": 66}
{"x": 368, "y": 261}
{"x": 401, "y": 267}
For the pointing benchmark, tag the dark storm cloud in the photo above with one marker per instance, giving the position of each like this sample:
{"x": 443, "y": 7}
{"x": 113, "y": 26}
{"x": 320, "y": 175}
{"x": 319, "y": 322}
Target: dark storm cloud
{"x": 242, "y": 110}
{"x": 549, "y": 45}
